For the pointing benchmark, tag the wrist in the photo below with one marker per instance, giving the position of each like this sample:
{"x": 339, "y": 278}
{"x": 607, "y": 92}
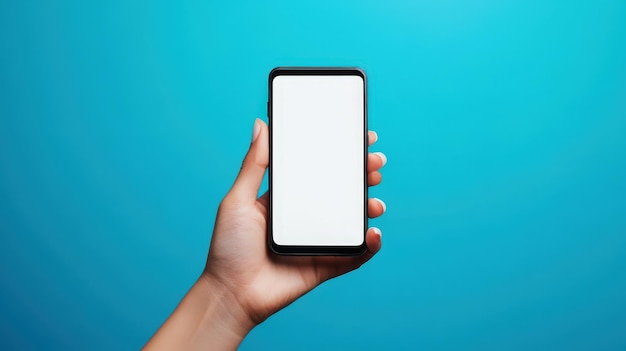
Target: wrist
{"x": 208, "y": 318}
{"x": 223, "y": 317}
{"x": 224, "y": 309}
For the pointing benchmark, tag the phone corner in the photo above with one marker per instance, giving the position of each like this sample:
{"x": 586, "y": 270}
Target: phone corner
{"x": 276, "y": 71}
{"x": 362, "y": 249}
{"x": 273, "y": 247}
{"x": 360, "y": 72}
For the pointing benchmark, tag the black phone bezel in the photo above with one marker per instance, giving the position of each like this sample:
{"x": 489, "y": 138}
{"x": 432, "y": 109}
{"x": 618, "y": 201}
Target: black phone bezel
{"x": 317, "y": 250}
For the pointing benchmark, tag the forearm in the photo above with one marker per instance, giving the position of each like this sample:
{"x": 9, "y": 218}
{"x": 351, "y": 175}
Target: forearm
{"x": 208, "y": 318}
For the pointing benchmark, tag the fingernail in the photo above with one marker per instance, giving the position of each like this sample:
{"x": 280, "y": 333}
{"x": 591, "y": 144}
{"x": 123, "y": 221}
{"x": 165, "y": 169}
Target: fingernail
{"x": 382, "y": 203}
{"x": 382, "y": 156}
{"x": 256, "y": 130}
{"x": 375, "y": 136}
{"x": 377, "y": 231}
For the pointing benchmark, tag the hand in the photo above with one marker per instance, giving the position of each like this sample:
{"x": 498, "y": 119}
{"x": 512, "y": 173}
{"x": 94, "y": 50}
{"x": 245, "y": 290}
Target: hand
{"x": 239, "y": 258}
{"x": 243, "y": 282}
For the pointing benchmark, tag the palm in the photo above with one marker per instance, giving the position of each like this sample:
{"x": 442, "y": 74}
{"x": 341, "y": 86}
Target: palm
{"x": 264, "y": 282}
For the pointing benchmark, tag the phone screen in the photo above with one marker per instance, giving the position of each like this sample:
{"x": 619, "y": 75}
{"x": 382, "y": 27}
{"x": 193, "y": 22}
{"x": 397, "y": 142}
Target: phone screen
{"x": 318, "y": 160}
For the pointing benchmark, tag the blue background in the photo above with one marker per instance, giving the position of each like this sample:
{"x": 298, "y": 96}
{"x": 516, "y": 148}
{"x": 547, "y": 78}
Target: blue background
{"x": 123, "y": 123}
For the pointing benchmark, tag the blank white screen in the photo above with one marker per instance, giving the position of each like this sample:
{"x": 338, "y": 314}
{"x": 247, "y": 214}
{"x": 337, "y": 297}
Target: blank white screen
{"x": 318, "y": 140}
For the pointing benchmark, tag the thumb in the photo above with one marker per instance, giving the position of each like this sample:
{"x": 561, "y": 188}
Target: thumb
{"x": 250, "y": 176}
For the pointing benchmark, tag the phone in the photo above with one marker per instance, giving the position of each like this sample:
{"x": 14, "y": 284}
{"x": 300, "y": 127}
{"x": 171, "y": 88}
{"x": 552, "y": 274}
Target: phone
{"x": 318, "y": 161}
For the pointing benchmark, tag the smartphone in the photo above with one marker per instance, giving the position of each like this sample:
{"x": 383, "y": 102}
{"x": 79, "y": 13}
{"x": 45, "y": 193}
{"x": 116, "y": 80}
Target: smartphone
{"x": 318, "y": 161}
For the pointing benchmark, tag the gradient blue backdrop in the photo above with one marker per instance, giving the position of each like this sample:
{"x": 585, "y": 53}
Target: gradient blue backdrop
{"x": 123, "y": 123}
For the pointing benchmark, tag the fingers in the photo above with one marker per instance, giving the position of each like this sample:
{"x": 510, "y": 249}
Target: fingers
{"x": 375, "y": 161}
{"x": 250, "y": 176}
{"x": 373, "y": 239}
{"x": 375, "y": 207}
{"x": 371, "y": 137}
{"x": 374, "y": 178}
{"x": 329, "y": 267}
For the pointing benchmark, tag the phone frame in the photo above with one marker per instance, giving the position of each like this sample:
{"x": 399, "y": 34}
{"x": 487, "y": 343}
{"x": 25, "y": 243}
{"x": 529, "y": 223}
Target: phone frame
{"x": 317, "y": 250}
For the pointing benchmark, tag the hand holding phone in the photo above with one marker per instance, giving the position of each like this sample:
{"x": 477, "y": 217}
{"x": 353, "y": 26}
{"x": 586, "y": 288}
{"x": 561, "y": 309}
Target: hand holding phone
{"x": 243, "y": 282}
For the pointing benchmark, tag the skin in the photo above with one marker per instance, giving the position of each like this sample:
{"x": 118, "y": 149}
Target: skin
{"x": 244, "y": 283}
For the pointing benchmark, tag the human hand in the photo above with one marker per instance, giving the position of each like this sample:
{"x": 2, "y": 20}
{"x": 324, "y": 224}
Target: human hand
{"x": 243, "y": 282}
{"x": 239, "y": 258}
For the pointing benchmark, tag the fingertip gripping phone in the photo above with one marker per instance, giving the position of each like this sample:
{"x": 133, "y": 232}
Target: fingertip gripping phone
{"x": 318, "y": 161}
